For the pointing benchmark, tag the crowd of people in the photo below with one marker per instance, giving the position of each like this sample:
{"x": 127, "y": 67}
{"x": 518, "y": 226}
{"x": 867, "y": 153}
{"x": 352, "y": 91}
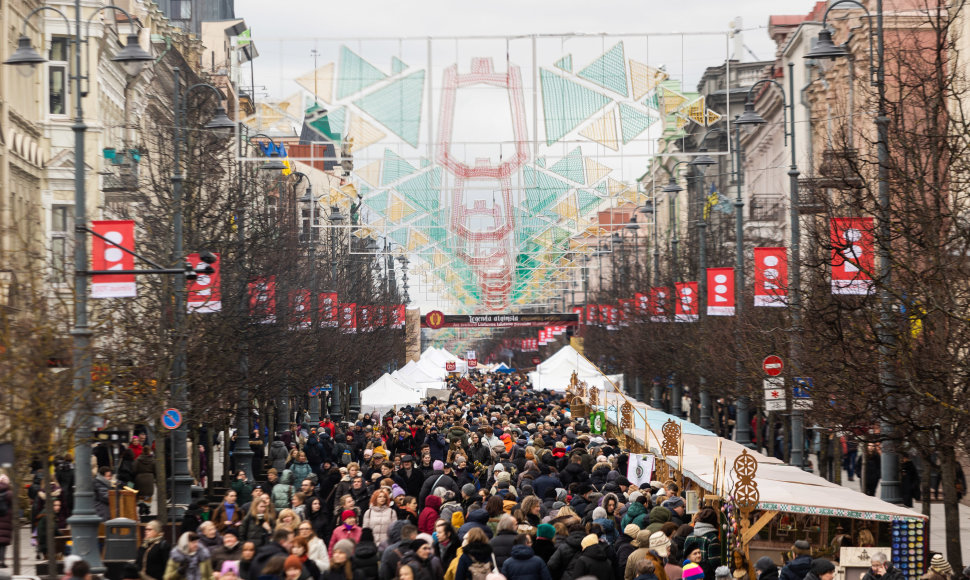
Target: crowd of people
{"x": 501, "y": 483}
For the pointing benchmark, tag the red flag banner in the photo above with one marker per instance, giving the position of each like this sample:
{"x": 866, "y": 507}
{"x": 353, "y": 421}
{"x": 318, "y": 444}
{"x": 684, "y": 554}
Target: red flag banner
{"x": 642, "y": 306}
{"x": 720, "y": 292}
{"x": 852, "y": 255}
{"x": 770, "y": 277}
{"x": 592, "y": 314}
{"x": 687, "y": 303}
{"x": 610, "y": 315}
{"x": 578, "y": 311}
{"x": 300, "y": 308}
{"x": 467, "y": 387}
{"x": 348, "y": 317}
{"x": 203, "y": 293}
{"x": 543, "y": 339}
{"x": 365, "y": 314}
{"x": 105, "y": 256}
{"x": 262, "y": 299}
{"x": 327, "y": 306}
{"x": 397, "y": 316}
{"x": 626, "y": 311}
{"x": 660, "y": 304}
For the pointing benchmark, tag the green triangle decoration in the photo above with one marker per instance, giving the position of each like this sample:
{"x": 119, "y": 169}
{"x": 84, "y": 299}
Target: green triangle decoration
{"x": 608, "y": 71}
{"x": 652, "y": 101}
{"x": 397, "y": 65}
{"x": 397, "y": 106}
{"x": 355, "y": 74}
{"x": 425, "y": 162}
{"x": 540, "y": 161}
{"x": 565, "y": 63}
{"x": 542, "y": 190}
{"x": 395, "y": 168}
{"x": 586, "y": 201}
{"x": 424, "y": 190}
{"x": 323, "y": 124}
{"x": 378, "y": 202}
{"x": 633, "y": 122}
{"x": 399, "y": 235}
{"x": 566, "y": 104}
{"x": 338, "y": 118}
{"x": 602, "y": 189}
{"x": 570, "y": 166}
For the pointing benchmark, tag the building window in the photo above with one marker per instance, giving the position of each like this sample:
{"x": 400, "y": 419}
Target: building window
{"x": 57, "y": 75}
{"x": 181, "y": 9}
{"x": 61, "y": 250}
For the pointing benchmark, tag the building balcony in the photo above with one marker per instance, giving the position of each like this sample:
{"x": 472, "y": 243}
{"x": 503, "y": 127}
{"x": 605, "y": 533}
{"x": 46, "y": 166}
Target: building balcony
{"x": 121, "y": 173}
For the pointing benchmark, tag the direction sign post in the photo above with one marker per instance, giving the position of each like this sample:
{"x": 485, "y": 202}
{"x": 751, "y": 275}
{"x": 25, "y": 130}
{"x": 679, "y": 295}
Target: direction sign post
{"x": 772, "y": 365}
{"x": 171, "y": 419}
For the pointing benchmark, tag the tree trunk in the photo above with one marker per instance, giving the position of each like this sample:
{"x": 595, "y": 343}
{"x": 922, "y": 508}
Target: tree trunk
{"x": 161, "y": 478}
{"x": 925, "y": 493}
{"x": 837, "y": 460}
{"x": 951, "y": 508}
{"x": 209, "y": 459}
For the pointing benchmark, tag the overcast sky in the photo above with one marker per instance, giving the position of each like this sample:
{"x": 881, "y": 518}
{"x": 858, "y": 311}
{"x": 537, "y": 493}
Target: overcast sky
{"x": 306, "y": 19}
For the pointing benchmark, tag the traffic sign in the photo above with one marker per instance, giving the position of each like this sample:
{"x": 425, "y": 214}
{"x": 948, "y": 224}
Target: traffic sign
{"x": 775, "y": 394}
{"x": 314, "y": 391}
{"x": 171, "y": 418}
{"x": 536, "y": 360}
{"x": 802, "y": 393}
{"x": 772, "y": 365}
{"x": 326, "y": 388}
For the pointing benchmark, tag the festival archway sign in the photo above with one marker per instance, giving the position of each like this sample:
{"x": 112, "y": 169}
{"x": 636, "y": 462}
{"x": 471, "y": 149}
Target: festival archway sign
{"x": 437, "y": 319}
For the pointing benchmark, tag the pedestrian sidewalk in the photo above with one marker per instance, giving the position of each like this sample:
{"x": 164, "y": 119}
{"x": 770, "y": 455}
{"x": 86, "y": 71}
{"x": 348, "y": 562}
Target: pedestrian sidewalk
{"x": 937, "y": 523}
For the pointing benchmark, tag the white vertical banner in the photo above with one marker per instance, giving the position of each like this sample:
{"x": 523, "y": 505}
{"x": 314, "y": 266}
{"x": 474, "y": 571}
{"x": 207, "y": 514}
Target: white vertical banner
{"x": 640, "y": 468}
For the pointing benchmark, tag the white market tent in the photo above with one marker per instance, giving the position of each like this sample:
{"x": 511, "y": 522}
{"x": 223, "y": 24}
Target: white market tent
{"x": 418, "y": 378}
{"x": 439, "y": 357}
{"x": 385, "y": 394}
{"x": 555, "y": 372}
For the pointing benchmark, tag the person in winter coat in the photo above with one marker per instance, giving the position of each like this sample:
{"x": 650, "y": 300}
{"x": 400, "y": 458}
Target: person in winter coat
{"x": 545, "y": 545}
{"x": 347, "y": 530}
{"x": 800, "y": 565}
{"x": 188, "y": 560}
{"x": 567, "y": 551}
{"x": 658, "y": 517}
{"x": 523, "y": 564}
{"x": 636, "y": 514}
{"x": 429, "y": 515}
{"x": 625, "y": 547}
{"x": 765, "y": 569}
{"x": 145, "y": 475}
{"x": 366, "y": 557}
{"x": 646, "y": 570}
{"x": 153, "y": 552}
{"x": 592, "y": 561}
{"x": 341, "y": 563}
{"x": 259, "y": 522}
{"x": 102, "y": 487}
{"x": 282, "y": 492}
{"x": 504, "y": 539}
{"x": 228, "y": 513}
{"x": 706, "y": 538}
{"x": 421, "y": 558}
{"x": 301, "y": 467}
{"x": 475, "y": 519}
{"x": 278, "y": 454}
{"x": 379, "y": 515}
{"x": 600, "y": 517}
{"x": 476, "y": 552}
{"x": 646, "y": 550}
{"x": 822, "y": 569}
{"x": 398, "y": 537}
{"x": 882, "y": 569}
{"x": 6, "y": 517}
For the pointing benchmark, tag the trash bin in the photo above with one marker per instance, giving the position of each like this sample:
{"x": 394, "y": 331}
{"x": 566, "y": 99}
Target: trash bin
{"x": 120, "y": 540}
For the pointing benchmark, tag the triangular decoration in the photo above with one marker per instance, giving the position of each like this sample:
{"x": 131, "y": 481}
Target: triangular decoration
{"x": 417, "y": 240}
{"x": 371, "y": 173}
{"x": 355, "y": 74}
{"x": 633, "y": 122}
{"x": 338, "y": 120}
{"x": 567, "y": 209}
{"x": 397, "y": 65}
{"x": 586, "y": 201}
{"x": 395, "y": 168}
{"x": 565, "y": 63}
{"x": 566, "y": 104}
{"x": 398, "y": 210}
{"x": 672, "y": 100}
{"x": 397, "y": 106}
{"x": 364, "y": 133}
{"x": 712, "y": 117}
{"x": 696, "y": 111}
{"x": 652, "y": 101}
{"x": 324, "y": 82}
{"x": 603, "y": 131}
{"x": 608, "y": 71}
{"x": 595, "y": 171}
{"x": 424, "y": 190}
{"x": 615, "y": 187}
{"x": 318, "y": 119}
{"x": 378, "y": 202}
{"x": 542, "y": 190}
{"x": 399, "y": 235}
{"x": 540, "y": 161}
{"x": 644, "y": 78}
{"x": 570, "y": 166}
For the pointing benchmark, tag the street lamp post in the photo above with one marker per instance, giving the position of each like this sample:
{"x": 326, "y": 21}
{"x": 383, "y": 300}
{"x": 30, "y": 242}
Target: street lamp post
{"x": 825, "y": 48}
{"x": 83, "y": 521}
{"x": 308, "y": 238}
{"x": 751, "y": 117}
{"x": 673, "y": 189}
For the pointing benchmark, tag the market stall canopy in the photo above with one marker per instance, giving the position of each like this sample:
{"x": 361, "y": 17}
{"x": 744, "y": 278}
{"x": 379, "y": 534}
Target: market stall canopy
{"x": 385, "y": 394}
{"x": 555, "y": 372}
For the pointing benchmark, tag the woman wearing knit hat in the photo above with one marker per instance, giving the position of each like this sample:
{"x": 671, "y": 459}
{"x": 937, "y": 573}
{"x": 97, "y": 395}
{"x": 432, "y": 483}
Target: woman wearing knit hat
{"x": 292, "y": 568}
{"x": 348, "y": 530}
{"x": 822, "y": 569}
{"x": 340, "y": 564}
{"x": 545, "y": 545}
{"x": 592, "y": 561}
{"x": 939, "y": 569}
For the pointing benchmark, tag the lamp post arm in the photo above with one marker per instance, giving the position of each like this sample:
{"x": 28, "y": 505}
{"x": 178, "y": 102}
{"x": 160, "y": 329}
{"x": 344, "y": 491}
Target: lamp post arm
{"x": 23, "y": 26}
{"x": 131, "y": 21}
{"x": 875, "y": 69}
{"x": 786, "y": 100}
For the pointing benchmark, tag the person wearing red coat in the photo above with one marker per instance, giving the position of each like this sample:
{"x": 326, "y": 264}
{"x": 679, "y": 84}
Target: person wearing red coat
{"x": 348, "y": 530}
{"x": 429, "y": 515}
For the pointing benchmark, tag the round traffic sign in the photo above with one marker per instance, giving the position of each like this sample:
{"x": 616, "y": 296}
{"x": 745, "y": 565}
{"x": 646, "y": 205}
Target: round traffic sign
{"x": 536, "y": 360}
{"x": 772, "y": 365}
{"x": 171, "y": 418}
{"x": 314, "y": 391}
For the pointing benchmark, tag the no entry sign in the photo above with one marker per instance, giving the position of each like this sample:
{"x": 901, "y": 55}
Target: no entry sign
{"x": 772, "y": 365}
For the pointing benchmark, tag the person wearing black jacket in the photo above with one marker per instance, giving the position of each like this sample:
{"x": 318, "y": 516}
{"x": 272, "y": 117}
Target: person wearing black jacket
{"x": 366, "y": 558}
{"x": 413, "y": 478}
{"x": 153, "y": 552}
{"x": 801, "y": 565}
{"x": 567, "y": 551}
{"x": 592, "y": 561}
{"x": 279, "y": 545}
{"x": 437, "y": 444}
{"x": 765, "y": 569}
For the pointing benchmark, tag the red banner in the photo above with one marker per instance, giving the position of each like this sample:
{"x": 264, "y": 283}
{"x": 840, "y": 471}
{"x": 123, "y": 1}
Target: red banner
{"x": 686, "y": 306}
{"x": 852, "y": 255}
{"x": 610, "y": 316}
{"x": 543, "y": 339}
{"x": 105, "y": 256}
{"x": 262, "y": 299}
{"x": 578, "y": 311}
{"x": 300, "y": 308}
{"x": 203, "y": 293}
{"x": 348, "y": 317}
{"x": 467, "y": 387}
{"x": 592, "y": 314}
{"x": 660, "y": 304}
{"x": 397, "y": 316}
{"x": 450, "y": 366}
{"x": 327, "y": 308}
{"x": 365, "y": 316}
{"x": 720, "y": 292}
{"x": 770, "y": 277}
{"x": 642, "y": 306}
{"x": 627, "y": 311}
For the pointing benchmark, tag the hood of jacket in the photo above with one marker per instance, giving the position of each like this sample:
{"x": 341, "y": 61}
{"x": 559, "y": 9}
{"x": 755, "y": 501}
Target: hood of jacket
{"x": 522, "y": 552}
{"x": 365, "y": 550}
{"x": 660, "y": 515}
{"x": 597, "y": 551}
{"x": 287, "y": 477}
{"x": 635, "y": 510}
{"x": 477, "y": 516}
{"x": 478, "y": 551}
{"x": 394, "y": 532}
{"x": 433, "y": 502}
{"x": 575, "y": 539}
{"x": 278, "y": 444}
